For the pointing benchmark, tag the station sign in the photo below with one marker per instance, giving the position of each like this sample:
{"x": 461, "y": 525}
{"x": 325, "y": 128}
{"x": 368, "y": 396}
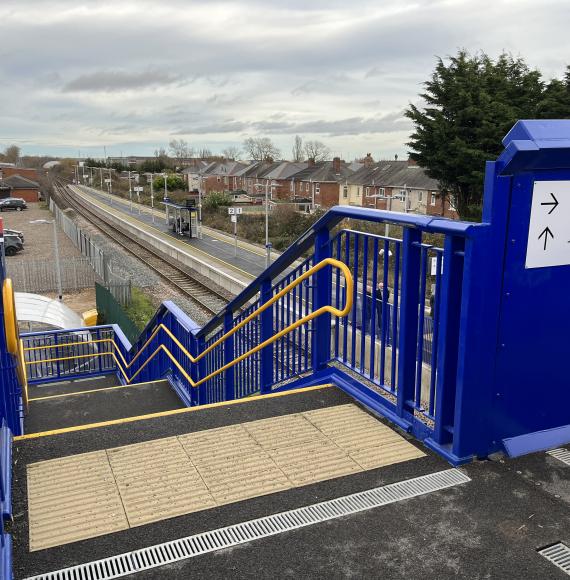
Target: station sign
{"x": 549, "y": 228}
{"x": 138, "y": 188}
{"x": 107, "y": 181}
{"x": 235, "y": 210}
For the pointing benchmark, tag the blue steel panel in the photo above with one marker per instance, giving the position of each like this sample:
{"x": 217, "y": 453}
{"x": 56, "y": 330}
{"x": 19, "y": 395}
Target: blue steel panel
{"x": 534, "y": 345}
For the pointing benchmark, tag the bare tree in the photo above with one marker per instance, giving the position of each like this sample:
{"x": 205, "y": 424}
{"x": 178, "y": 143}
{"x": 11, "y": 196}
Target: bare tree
{"x": 261, "y": 148}
{"x": 316, "y": 150}
{"x": 180, "y": 149}
{"x": 11, "y": 154}
{"x": 298, "y": 154}
{"x": 204, "y": 153}
{"x": 232, "y": 152}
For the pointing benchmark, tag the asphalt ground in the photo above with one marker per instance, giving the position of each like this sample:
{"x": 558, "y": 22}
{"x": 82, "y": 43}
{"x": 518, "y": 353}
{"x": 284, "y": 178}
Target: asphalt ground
{"x": 33, "y": 450}
{"x": 49, "y": 412}
{"x": 488, "y": 528}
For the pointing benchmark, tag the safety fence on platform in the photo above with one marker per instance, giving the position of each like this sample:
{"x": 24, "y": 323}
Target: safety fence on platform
{"x": 95, "y": 256}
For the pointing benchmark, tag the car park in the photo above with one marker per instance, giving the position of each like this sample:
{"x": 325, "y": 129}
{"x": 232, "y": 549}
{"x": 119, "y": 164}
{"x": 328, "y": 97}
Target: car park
{"x": 16, "y": 203}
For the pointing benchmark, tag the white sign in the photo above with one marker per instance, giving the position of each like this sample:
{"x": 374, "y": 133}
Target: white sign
{"x": 434, "y": 266}
{"x": 549, "y": 229}
{"x": 138, "y": 188}
{"x": 107, "y": 181}
{"x": 235, "y": 210}
{"x": 233, "y": 218}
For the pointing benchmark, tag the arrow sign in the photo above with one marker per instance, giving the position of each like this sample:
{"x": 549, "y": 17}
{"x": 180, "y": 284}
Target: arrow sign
{"x": 554, "y": 203}
{"x": 546, "y": 232}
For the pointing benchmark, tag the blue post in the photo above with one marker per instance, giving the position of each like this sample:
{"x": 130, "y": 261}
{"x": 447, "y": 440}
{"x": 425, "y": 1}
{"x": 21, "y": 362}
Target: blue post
{"x": 408, "y": 327}
{"x": 322, "y": 281}
{"x": 267, "y": 360}
{"x": 450, "y": 304}
{"x": 229, "y": 355}
{"x": 202, "y": 372}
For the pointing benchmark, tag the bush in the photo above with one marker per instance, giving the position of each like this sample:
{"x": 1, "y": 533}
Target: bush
{"x": 141, "y": 309}
{"x": 216, "y": 199}
{"x": 173, "y": 182}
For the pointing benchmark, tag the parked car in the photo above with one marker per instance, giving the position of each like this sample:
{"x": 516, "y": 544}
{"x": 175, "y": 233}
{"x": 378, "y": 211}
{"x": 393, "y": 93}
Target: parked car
{"x": 18, "y": 233}
{"x": 12, "y": 244}
{"x": 16, "y": 203}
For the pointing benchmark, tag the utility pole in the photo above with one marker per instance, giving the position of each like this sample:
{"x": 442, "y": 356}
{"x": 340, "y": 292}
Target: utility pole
{"x": 101, "y": 176}
{"x": 152, "y": 196}
{"x": 130, "y": 194}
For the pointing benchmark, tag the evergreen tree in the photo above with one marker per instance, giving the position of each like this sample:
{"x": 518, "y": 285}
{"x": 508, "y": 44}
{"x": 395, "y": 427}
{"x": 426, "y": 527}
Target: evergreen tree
{"x": 470, "y": 104}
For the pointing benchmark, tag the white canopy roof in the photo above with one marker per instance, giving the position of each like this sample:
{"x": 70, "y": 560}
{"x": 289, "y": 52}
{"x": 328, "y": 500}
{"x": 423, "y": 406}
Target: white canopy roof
{"x": 45, "y": 311}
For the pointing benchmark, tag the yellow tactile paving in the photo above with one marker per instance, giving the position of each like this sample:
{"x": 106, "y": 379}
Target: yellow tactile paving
{"x": 367, "y": 441}
{"x": 97, "y": 493}
{"x": 72, "y": 499}
{"x": 157, "y": 481}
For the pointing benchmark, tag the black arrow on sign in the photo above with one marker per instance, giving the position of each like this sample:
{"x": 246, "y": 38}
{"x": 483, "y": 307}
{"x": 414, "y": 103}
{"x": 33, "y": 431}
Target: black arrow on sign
{"x": 546, "y": 232}
{"x": 554, "y": 203}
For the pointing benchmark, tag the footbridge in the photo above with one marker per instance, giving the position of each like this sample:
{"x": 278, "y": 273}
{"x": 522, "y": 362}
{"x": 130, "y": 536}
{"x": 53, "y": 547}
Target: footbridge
{"x": 353, "y": 376}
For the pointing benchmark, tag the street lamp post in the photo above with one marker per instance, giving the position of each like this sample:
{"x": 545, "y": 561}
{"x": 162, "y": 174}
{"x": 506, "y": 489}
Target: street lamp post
{"x": 101, "y": 176}
{"x": 152, "y": 196}
{"x": 56, "y": 252}
{"x": 130, "y": 194}
{"x": 267, "y": 244}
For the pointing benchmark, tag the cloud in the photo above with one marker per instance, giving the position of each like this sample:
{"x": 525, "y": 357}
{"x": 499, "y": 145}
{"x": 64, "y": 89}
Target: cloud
{"x": 113, "y": 81}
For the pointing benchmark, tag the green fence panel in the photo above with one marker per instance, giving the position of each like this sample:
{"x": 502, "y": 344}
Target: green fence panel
{"x": 111, "y": 312}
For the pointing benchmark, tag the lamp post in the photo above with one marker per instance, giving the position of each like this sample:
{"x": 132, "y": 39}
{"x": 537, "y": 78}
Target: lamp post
{"x": 267, "y": 244}
{"x": 152, "y": 196}
{"x": 130, "y": 194}
{"x": 388, "y": 199}
{"x": 56, "y": 252}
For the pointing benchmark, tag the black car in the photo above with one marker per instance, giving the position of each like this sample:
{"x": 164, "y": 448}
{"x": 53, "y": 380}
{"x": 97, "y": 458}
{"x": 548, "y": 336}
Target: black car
{"x": 16, "y": 203}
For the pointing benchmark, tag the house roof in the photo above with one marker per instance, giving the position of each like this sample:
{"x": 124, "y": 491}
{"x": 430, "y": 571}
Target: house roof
{"x": 282, "y": 170}
{"x": 394, "y": 174}
{"x": 19, "y": 182}
{"x": 323, "y": 171}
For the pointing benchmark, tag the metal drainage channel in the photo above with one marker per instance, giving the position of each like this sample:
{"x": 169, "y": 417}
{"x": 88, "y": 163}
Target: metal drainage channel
{"x": 184, "y": 548}
{"x": 559, "y": 555}
{"x": 561, "y": 454}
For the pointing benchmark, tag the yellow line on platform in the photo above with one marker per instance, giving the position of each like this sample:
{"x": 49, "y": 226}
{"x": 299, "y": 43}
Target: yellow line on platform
{"x": 91, "y": 391}
{"x": 148, "y": 227}
{"x": 165, "y": 413}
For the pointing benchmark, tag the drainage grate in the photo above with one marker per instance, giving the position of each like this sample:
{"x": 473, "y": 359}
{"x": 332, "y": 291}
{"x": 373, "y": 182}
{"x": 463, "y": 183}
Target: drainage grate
{"x": 559, "y": 555}
{"x": 169, "y": 552}
{"x": 562, "y": 454}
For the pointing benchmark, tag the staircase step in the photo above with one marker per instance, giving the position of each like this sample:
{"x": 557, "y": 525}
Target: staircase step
{"x": 84, "y": 404}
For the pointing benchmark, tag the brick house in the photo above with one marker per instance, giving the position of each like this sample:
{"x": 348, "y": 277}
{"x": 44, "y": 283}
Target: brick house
{"x": 18, "y": 186}
{"x": 7, "y": 171}
{"x": 220, "y": 176}
{"x": 278, "y": 178}
{"x": 320, "y": 181}
{"x": 395, "y": 185}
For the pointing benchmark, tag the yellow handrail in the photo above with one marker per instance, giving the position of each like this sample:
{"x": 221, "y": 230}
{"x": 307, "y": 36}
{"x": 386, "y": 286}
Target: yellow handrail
{"x": 307, "y": 318}
{"x": 13, "y": 342}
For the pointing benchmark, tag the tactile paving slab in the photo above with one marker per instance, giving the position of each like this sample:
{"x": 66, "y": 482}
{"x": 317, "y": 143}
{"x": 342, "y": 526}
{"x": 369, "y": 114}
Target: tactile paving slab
{"x": 72, "y": 499}
{"x": 88, "y": 495}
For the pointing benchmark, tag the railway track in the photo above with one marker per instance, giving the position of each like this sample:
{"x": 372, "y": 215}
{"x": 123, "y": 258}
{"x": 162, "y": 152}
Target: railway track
{"x": 207, "y": 299}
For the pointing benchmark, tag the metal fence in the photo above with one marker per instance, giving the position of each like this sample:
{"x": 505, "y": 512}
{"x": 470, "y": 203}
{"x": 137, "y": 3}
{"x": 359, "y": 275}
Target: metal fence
{"x": 94, "y": 255}
{"x": 41, "y": 276}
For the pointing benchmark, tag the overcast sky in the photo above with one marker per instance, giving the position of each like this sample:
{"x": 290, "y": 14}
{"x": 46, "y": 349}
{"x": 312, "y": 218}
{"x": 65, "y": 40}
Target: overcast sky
{"x": 131, "y": 75}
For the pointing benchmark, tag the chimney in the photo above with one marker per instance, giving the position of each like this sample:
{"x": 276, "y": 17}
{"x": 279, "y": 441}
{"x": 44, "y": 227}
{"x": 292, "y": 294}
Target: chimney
{"x": 368, "y": 160}
{"x": 311, "y": 162}
{"x": 336, "y": 165}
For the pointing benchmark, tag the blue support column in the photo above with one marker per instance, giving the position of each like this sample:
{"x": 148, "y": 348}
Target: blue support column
{"x": 322, "y": 295}
{"x": 408, "y": 327}
{"x": 267, "y": 360}
{"x": 229, "y": 355}
{"x": 450, "y": 310}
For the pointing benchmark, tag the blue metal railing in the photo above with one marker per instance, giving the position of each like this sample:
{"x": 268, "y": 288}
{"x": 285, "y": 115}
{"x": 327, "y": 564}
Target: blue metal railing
{"x": 392, "y": 339}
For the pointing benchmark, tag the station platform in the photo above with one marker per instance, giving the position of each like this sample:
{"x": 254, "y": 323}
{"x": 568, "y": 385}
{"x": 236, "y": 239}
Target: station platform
{"x": 214, "y": 246}
{"x": 115, "y": 492}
